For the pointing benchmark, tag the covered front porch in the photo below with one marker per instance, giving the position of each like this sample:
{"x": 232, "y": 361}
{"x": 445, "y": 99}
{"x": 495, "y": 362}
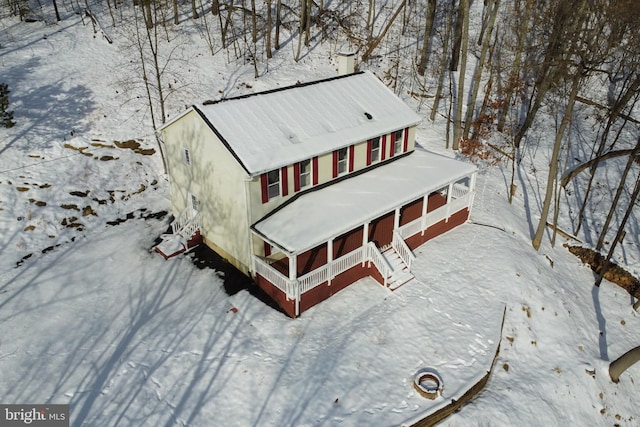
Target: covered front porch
{"x": 366, "y": 225}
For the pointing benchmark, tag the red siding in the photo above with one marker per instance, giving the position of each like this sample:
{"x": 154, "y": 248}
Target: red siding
{"x": 381, "y": 230}
{"x": 352, "y": 150}
{"x": 439, "y": 228}
{"x": 411, "y": 211}
{"x": 296, "y": 177}
{"x": 314, "y": 170}
{"x": 383, "y": 149}
{"x": 369, "y": 148}
{"x": 265, "y": 189}
{"x": 435, "y": 201}
{"x": 267, "y": 249}
{"x": 311, "y": 259}
{"x": 335, "y": 164}
{"x": 405, "y": 145}
{"x": 284, "y": 180}
{"x": 348, "y": 242}
{"x": 288, "y": 306}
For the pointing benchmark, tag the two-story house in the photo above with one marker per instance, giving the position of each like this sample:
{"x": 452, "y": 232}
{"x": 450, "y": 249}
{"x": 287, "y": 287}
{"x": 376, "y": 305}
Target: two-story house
{"x": 310, "y": 187}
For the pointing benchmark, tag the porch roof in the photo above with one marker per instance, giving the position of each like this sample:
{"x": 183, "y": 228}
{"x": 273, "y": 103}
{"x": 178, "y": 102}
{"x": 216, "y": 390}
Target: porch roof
{"x": 318, "y": 216}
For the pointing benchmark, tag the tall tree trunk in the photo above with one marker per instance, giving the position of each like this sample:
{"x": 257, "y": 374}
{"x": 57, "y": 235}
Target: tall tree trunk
{"x": 378, "y": 39}
{"x": 553, "y": 166}
{"x": 371, "y": 15}
{"x": 471, "y": 105}
{"x": 254, "y": 24}
{"x": 428, "y": 26}
{"x": 463, "y": 13}
{"x": 276, "y": 43}
{"x": 268, "y": 30}
{"x": 621, "y": 102}
{"x": 443, "y": 65}
{"x": 620, "y": 233}
{"x": 176, "y": 20}
{"x": 565, "y": 26}
{"x": 215, "y": 7}
{"x": 616, "y": 198}
{"x": 55, "y": 7}
{"x": 194, "y": 10}
{"x": 512, "y": 83}
{"x": 457, "y": 37}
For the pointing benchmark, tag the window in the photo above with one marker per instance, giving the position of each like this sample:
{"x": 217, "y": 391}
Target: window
{"x": 375, "y": 149}
{"x": 186, "y": 156}
{"x": 342, "y": 160}
{"x": 305, "y": 173}
{"x": 273, "y": 183}
{"x": 397, "y": 142}
{"x": 194, "y": 203}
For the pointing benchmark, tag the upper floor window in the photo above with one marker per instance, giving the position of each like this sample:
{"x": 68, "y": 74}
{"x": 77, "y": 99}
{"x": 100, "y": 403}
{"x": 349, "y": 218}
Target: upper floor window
{"x": 397, "y": 142}
{"x": 342, "y": 160}
{"x": 375, "y": 149}
{"x": 305, "y": 173}
{"x": 273, "y": 183}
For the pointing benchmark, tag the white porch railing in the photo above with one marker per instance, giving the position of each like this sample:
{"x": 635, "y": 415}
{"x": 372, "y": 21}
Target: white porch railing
{"x": 190, "y": 227}
{"x": 313, "y": 278}
{"x": 278, "y": 279}
{"x": 459, "y": 203}
{"x": 410, "y": 228}
{"x": 459, "y": 190}
{"x": 375, "y": 256}
{"x": 305, "y": 283}
{"x": 181, "y": 220}
{"x": 400, "y": 246}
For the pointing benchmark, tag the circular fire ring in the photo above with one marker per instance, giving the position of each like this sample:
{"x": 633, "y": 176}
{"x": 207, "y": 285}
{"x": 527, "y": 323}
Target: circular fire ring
{"x": 428, "y": 384}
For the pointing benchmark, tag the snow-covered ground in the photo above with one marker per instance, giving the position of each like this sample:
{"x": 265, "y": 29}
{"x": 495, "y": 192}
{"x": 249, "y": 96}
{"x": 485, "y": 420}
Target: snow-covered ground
{"x": 88, "y": 316}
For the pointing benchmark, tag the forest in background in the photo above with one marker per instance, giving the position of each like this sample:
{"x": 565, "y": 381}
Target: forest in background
{"x": 522, "y": 62}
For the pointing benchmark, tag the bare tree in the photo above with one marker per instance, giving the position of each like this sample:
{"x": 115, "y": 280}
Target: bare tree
{"x": 428, "y": 26}
{"x": 555, "y": 157}
{"x": 463, "y": 15}
{"x": 493, "y": 6}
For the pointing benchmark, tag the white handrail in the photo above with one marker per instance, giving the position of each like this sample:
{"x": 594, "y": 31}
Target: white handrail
{"x": 278, "y": 279}
{"x": 181, "y": 220}
{"x": 190, "y": 227}
{"x": 313, "y": 278}
{"x": 400, "y": 246}
{"x": 376, "y": 257}
{"x": 459, "y": 190}
{"x": 410, "y": 228}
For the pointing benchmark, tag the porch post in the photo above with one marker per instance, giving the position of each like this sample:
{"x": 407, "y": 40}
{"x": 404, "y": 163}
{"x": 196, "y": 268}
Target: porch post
{"x": 293, "y": 266}
{"x": 423, "y": 225}
{"x": 396, "y": 219}
{"x": 329, "y": 261}
{"x": 365, "y": 240}
{"x": 293, "y": 273}
{"x": 449, "y": 196}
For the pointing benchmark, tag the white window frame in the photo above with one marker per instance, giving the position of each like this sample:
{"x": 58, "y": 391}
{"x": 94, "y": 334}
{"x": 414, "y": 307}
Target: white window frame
{"x": 375, "y": 149}
{"x": 398, "y": 141}
{"x": 305, "y": 176}
{"x": 273, "y": 183}
{"x": 343, "y": 162}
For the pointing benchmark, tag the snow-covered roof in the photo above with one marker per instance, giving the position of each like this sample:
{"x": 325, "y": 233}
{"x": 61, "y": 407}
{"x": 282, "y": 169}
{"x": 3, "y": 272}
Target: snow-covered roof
{"x": 271, "y": 129}
{"x": 317, "y": 216}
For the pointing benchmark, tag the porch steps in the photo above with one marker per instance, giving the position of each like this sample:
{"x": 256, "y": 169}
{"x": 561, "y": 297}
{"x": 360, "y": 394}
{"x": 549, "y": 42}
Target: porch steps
{"x": 400, "y": 273}
{"x": 186, "y": 235}
{"x": 171, "y": 245}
